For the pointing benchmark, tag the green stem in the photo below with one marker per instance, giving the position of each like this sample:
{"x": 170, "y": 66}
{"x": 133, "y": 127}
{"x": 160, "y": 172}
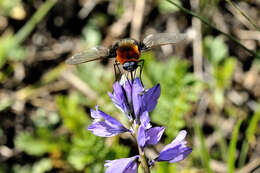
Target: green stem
{"x": 244, "y": 14}
{"x": 204, "y": 154}
{"x": 142, "y": 159}
{"x": 232, "y": 147}
{"x": 22, "y": 34}
{"x": 203, "y": 20}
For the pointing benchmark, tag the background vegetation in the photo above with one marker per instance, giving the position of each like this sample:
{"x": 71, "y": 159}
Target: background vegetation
{"x": 210, "y": 82}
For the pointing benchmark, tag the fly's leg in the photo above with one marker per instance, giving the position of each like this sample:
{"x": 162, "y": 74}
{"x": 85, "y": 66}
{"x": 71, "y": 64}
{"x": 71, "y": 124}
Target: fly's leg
{"x": 135, "y": 73}
{"x": 141, "y": 65}
{"x": 132, "y": 76}
{"x": 117, "y": 69}
{"x": 127, "y": 74}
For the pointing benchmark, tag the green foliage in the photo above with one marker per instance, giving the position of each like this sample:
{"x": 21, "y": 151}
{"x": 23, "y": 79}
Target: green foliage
{"x": 96, "y": 76}
{"x": 6, "y": 6}
{"x": 92, "y": 36}
{"x": 223, "y": 67}
{"x": 207, "y": 8}
{"x": 9, "y": 50}
{"x": 41, "y": 166}
{"x": 180, "y": 88}
{"x": 73, "y": 117}
{"x": 44, "y": 119}
{"x": 41, "y": 143}
{"x": 250, "y": 136}
{"x": 86, "y": 149}
{"x": 162, "y": 167}
{"x": 10, "y": 45}
{"x": 118, "y": 8}
{"x": 215, "y": 49}
{"x": 5, "y": 103}
{"x": 204, "y": 154}
{"x": 232, "y": 147}
{"x": 81, "y": 149}
{"x": 43, "y": 140}
{"x": 253, "y": 124}
{"x": 165, "y": 8}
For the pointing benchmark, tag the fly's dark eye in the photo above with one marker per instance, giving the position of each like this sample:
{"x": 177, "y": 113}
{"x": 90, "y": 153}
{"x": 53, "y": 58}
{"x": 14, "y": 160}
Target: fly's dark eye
{"x": 130, "y": 66}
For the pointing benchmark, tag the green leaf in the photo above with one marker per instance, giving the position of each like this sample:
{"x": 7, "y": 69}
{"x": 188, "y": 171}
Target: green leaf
{"x": 33, "y": 146}
{"x": 215, "y": 49}
{"x": 73, "y": 117}
{"x": 42, "y": 142}
{"x": 9, "y": 50}
{"x": 92, "y": 36}
{"x": 22, "y": 169}
{"x": 223, "y": 73}
{"x": 232, "y": 147}
{"x": 218, "y": 96}
{"x": 204, "y": 154}
{"x": 42, "y": 166}
{"x": 250, "y": 136}
{"x": 253, "y": 125}
{"x": 162, "y": 167}
{"x": 5, "y": 103}
{"x": 6, "y": 6}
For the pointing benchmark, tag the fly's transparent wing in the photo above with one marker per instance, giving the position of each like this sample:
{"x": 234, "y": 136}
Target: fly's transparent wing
{"x": 160, "y": 39}
{"x": 92, "y": 54}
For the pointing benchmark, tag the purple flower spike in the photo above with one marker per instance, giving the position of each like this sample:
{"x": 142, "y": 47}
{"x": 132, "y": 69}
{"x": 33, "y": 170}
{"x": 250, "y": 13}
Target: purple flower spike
{"x": 119, "y": 98}
{"x": 124, "y": 165}
{"x": 132, "y": 98}
{"x": 107, "y": 128}
{"x": 176, "y": 150}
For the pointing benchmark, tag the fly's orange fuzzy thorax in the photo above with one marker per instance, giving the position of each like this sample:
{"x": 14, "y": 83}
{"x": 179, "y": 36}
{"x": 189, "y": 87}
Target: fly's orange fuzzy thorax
{"x": 127, "y": 52}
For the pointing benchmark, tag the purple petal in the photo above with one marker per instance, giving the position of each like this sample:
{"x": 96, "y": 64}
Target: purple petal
{"x": 176, "y": 150}
{"x": 110, "y": 120}
{"x": 181, "y": 156}
{"x": 150, "y": 98}
{"x": 141, "y": 136}
{"x": 119, "y": 98}
{"x": 153, "y": 135}
{"x": 128, "y": 90}
{"x": 179, "y": 139}
{"x": 103, "y": 129}
{"x": 137, "y": 92}
{"x": 124, "y": 165}
{"x": 94, "y": 114}
{"x": 109, "y": 127}
{"x": 145, "y": 120}
{"x": 177, "y": 153}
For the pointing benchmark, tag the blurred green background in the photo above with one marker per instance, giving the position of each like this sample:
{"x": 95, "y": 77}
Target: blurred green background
{"x": 210, "y": 84}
